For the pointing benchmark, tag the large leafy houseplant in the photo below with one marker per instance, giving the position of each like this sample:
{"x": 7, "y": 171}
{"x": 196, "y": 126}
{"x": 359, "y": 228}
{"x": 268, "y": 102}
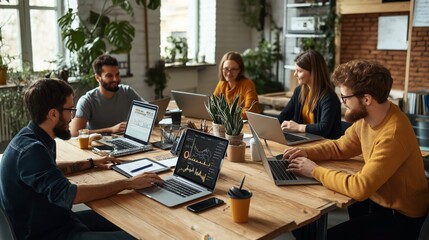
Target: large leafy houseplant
{"x": 90, "y": 37}
{"x": 99, "y": 34}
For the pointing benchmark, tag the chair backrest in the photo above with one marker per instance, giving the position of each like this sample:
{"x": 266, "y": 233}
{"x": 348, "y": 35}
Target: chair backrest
{"x": 424, "y": 232}
{"x": 6, "y": 229}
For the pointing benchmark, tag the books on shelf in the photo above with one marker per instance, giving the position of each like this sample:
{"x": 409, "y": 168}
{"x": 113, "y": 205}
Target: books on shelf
{"x": 418, "y": 103}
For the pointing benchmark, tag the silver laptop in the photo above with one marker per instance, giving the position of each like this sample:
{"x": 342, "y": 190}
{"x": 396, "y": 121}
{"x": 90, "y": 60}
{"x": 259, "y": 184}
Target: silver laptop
{"x": 276, "y": 167}
{"x": 269, "y": 128}
{"x": 140, "y": 122}
{"x": 191, "y": 104}
{"x": 197, "y": 170}
{"x": 162, "y": 107}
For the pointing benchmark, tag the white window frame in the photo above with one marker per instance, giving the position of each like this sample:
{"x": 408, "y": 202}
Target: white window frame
{"x": 23, "y": 7}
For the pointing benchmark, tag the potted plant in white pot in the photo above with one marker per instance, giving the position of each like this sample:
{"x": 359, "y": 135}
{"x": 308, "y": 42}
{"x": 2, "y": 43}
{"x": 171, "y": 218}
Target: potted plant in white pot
{"x": 233, "y": 123}
{"x": 214, "y": 106}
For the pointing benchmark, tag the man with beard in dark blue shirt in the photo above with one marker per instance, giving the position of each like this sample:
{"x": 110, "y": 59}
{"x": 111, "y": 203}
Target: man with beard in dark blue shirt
{"x": 34, "y": 192}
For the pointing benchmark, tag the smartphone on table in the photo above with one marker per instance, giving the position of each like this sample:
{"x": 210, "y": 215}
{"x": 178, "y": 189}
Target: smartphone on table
{"x": 205, "y": 204}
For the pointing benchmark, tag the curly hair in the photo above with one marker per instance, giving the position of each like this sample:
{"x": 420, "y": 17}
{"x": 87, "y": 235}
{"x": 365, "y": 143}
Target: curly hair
{"x": 365, "y": 77}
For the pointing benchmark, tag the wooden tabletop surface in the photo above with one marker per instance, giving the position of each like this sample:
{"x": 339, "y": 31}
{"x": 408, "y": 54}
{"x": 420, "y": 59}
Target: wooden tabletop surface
{"x": 273, "y": 209}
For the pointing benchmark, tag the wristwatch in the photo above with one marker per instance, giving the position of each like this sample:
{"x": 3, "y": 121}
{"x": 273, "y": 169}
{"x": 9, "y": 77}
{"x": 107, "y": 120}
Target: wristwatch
{"x": 91, "y": 161}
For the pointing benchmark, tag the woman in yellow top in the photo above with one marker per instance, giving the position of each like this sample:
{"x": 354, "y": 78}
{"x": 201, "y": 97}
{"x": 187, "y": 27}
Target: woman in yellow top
{"x": 232, "y": 82}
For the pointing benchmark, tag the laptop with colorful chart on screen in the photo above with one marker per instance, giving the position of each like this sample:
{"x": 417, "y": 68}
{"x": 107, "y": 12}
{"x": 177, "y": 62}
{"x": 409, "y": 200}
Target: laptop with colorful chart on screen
{"x": 197, "y": 170}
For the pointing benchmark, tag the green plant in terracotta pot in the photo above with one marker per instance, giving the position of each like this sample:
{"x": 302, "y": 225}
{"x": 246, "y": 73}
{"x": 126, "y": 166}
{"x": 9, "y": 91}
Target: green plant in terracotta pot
{"x": 233, "y": 122}
{"x": 3, "y": 64}
{"x": 214, "y": 106}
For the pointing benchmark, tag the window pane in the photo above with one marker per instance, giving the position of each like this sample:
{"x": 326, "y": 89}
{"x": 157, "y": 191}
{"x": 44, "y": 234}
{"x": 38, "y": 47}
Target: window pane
{"x": 11, "y": 2}
{"x": 44, "y": 32}
{"x": 43, "y": 3}
{"x": 11, "y": 39}
{"x": 175, "y": 22}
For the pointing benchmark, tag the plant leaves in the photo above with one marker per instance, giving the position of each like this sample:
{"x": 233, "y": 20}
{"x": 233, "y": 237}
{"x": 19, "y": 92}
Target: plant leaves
{"x": 121, "y": 35}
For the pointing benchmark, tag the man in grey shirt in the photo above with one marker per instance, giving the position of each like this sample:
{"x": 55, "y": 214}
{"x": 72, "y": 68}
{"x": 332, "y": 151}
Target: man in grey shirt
{"x": 104, "y": 109}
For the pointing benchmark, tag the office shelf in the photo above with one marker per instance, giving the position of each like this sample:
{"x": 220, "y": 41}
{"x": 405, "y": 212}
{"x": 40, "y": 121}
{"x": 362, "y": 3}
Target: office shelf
{"x": 303, "y": 22}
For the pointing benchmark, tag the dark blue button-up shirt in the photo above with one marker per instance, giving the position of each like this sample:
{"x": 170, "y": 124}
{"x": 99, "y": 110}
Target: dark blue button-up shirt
{"x": 33, "y": 190}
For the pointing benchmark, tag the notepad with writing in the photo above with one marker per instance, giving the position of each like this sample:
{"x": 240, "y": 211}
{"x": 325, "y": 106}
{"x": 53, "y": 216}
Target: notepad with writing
{"x": 139, "y": 166}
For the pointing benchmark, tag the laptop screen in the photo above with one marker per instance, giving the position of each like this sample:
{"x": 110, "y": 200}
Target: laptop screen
{"x": 141, "y": 120}
{"x": 200, "y": 158}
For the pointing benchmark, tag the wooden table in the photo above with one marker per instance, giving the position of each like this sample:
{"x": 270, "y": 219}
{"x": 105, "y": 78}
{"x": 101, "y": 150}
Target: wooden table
{"x": 273, "y": 209}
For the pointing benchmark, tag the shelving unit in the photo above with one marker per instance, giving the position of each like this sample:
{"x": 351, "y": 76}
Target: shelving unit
{"x": 302, "y": 20}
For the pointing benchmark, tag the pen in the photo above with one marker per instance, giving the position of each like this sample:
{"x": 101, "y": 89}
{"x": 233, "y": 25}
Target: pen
{"x": 141, "y": 168}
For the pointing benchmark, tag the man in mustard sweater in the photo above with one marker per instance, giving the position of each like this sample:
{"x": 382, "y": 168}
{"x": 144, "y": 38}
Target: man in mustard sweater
{"x": 391, "y": 189}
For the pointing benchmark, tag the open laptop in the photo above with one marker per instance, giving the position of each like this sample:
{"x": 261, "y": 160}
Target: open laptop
{"x": 269, "y": 128}
{"x": 140, "y": 122}
{"x": 276, "y": 167}
{"x": 197, "y": 170}
{"x": 162, "y": 107}
{"x": 191, "y": 104}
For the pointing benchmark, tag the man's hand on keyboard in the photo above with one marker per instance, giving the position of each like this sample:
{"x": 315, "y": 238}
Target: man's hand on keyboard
{"x": 294, "y": 152}
{"x": 144, "y": 180}
{"x": 302, "y": 165}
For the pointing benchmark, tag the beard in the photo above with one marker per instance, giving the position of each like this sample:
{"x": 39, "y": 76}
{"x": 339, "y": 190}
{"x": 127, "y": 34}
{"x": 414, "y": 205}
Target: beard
{"x": 354, "y": 115}
{"x": 61, "y": 131}
{"x": 106, "y": 86}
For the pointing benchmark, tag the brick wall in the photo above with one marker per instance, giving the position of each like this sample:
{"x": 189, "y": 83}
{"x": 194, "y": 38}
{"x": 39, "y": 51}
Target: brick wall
{"x": 359, "y": 41}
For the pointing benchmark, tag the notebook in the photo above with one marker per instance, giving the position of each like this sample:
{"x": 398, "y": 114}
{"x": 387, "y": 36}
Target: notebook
{"x": 276, "y": 167}
{"x": 197, "y": 170}
{"x": 269, "y": 128}
{"x": 191, "y": 104}
{"x": 162, "y": 107}
{"x": 140, "y": 122}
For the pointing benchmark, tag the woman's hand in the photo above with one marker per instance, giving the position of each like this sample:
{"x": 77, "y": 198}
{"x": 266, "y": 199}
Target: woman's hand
{"x": 291, "y": 126}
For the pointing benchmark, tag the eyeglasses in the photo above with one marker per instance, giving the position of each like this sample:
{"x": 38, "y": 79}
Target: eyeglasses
{"x": 231, "y": 70}
{"x": 344, "y": 98}
{"x": 72, "y": 111}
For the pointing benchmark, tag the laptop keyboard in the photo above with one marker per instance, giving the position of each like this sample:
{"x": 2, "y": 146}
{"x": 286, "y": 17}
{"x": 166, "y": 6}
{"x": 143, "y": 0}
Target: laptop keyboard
{"x": 293, "y": 138}
{"x": 121, "y": 144}
{"x": 123, "y": 148}
{"x": 279, "y": 170}
{"x": 179, "y": 188}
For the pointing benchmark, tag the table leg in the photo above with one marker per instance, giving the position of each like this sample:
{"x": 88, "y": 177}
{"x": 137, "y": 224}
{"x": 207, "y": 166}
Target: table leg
{"x": 322, "y": 227}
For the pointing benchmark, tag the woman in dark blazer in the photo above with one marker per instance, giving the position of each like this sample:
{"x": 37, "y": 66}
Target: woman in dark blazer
{"x": 314, "y": 106}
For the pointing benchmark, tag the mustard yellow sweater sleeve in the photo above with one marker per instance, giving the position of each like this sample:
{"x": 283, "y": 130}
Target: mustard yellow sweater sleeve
{"x": 393, "y": 173}
{"x": 247, "y": 90}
